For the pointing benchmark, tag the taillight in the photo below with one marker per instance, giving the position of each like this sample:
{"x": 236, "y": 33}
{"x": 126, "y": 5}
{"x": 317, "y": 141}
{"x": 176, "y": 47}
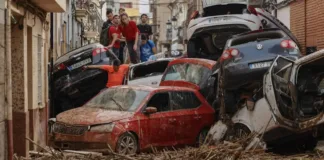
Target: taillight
{"x": 288, "y": 44}
{"x": 229, "y": 53}
{"x": 61, "y": 67}
{"x": 252, "y": 10}
{"x": 98, "y": 51}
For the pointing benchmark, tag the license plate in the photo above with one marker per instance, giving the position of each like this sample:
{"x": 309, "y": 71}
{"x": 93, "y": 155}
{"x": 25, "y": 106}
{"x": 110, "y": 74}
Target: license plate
{"x": 79, "y": 64}
{"x": 260, "y": 65}
{"x": 213, "y": 20}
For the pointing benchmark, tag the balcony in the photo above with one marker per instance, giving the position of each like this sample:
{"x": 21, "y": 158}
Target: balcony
{"x": 51, "y": 5}
{"x": 82, "y": 10}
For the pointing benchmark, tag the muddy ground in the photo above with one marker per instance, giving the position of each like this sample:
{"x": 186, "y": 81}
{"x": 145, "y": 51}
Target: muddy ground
{"x": 224, "y": 151}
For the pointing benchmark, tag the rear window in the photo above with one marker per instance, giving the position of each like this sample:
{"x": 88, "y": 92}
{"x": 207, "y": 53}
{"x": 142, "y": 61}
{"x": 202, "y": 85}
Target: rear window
{"x": 225, "y": 10}
{"x": 149, "y": 69}
{"x": 261, "y": 36}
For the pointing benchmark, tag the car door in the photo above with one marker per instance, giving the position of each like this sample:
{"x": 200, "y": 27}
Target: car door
{"x": 162, "y": 123}
{"x": 186, "y": 105}
{"x": 281, "y": 93}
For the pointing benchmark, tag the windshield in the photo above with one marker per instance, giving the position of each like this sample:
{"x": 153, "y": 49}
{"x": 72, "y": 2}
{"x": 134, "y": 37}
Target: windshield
{"x": 120, "y": 99}
{"x": 193, "y": 73}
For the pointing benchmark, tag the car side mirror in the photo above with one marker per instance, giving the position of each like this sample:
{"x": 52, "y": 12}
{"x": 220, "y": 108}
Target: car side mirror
{"x": 150, "y": 110}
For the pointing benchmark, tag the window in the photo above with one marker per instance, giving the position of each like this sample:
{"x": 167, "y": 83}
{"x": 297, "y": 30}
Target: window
{"x": 184, "y": 100}
{"x": 160, "y": 101}
{"x": 120, "y": 99}
{"x": 126, "y": 5}
{"x": 193, "y": 73}
{"x": 39, "y": 69}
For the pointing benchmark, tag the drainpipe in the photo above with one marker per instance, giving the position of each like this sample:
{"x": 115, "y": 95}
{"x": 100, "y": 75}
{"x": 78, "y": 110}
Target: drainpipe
{"x": 73, "y": 19}
{"x": 52, "y": 108}
{"x": 8, "y": 80}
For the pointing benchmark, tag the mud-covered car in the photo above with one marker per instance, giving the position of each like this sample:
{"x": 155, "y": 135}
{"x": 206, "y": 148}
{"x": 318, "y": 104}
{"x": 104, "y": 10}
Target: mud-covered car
{"x": 220, "y": 20}
{"x": 147, "y": 73}
{"x": 130, "y": 119}
{"x": 194, "y": 73}
{"x": 73, "y": 85}
{"x": 291, "y": 110}
{"x": 247, "y": 57}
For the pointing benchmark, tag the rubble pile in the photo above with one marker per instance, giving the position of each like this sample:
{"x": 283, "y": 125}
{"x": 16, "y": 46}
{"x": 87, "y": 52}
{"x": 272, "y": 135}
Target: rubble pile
{"x": 225, "y": 150}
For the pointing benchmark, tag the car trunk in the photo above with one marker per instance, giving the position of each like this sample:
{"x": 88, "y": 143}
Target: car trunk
{"x": 209, "y": 42}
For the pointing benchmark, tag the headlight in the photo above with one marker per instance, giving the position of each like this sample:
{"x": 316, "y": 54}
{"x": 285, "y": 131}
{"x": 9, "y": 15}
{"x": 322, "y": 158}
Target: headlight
{"x": 103, "y": 128}
{"x": 175, "y": 53}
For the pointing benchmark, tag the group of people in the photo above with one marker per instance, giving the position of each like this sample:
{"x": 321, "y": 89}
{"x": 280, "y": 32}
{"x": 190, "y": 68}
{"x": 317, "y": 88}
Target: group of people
{"x": 124, "y": 32}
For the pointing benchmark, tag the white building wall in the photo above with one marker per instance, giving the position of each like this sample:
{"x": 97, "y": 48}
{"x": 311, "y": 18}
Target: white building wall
{"x": 283, "y": 14}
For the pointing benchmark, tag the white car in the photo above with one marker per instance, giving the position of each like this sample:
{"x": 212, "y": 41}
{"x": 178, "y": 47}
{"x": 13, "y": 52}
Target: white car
{"x": 292, "y": 109}
{"x": 220, "y": 20}
{"x": 147, "y": 73}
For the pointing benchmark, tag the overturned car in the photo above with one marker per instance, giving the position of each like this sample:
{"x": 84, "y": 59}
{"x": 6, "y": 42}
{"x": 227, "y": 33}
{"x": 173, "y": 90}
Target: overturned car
{"x": 291, "y": 109}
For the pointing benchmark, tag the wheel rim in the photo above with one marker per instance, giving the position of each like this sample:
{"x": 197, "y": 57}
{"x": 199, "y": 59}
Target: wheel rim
{"x": 127, "y": 145}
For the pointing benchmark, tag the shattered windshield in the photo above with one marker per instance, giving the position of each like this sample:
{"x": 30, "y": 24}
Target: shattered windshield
{"x": 193, "y": 73}
{"x": 120, "y": 99}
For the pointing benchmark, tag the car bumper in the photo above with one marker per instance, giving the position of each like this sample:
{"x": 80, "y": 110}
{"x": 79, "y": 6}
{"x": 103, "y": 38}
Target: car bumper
{"x": 240, "y": 74}
{"x": 89, "y": 141}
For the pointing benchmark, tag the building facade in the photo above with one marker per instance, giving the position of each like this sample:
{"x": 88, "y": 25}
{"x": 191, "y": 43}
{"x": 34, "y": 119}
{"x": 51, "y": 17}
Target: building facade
{"x": 23, "y": 72}
{"x": 78, "y": 26}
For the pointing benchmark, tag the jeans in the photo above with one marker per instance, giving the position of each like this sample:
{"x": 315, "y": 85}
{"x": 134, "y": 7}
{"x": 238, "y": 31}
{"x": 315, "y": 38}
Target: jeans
{"x": 132, "y": 53}
{"x": 116, "y": 51}
{"x": 121, "y": 52}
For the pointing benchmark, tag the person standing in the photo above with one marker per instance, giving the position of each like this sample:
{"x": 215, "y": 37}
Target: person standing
{"x": 144, "y": 28}
{"x": 110, "y": 18}
{"x": 115, "y": 36}
{"x": 116, "y": 72}
{"x": 147, "y": 48}
{"x": 122, "y": 43}
{"x": 130, "y": 31}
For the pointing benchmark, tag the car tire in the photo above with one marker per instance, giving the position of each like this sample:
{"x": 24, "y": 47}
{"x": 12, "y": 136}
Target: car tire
{"x": 201, "y": 138}
{"x": 127, "y": 144}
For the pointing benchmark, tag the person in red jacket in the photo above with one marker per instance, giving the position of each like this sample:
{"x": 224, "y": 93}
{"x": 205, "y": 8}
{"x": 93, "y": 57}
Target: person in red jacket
{"x": 130, "y": 31}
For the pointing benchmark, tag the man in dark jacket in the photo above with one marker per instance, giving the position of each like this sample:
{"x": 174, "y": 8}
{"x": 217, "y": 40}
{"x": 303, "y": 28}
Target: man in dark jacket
{"x": 110, "y": 17}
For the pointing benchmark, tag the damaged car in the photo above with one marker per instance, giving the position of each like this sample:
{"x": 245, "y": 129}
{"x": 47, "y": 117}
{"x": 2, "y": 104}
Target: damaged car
{"x": 73, "y": 85}
{"x": 220, "y": 20}
{"x": 246, "y": 59}
{"x": 148, "y": 73}
{"x": 291, "y": 110}
{"x": 194, "y": 73}
{"x": 130, "y": 119}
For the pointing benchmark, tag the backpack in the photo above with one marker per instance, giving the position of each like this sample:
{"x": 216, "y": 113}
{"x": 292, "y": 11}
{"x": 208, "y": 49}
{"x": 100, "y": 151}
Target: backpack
{"x": 104, "y": 36}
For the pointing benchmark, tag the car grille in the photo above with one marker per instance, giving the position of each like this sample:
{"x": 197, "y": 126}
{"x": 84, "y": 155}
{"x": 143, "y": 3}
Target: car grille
{"x": 69, "y": 129}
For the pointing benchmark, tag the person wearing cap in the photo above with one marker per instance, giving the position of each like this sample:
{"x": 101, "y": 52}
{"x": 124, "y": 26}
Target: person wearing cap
{"x": 115, "y": 36}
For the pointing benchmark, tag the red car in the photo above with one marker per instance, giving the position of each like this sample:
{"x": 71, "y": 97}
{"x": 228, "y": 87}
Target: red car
{"x": 134, "y": 118}
{"x": 194, "y": 73}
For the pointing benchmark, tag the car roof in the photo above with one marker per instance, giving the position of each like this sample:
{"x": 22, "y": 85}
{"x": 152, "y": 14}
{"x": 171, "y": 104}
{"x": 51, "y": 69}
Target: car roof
{"x": 149, "y": 62}
{"x": 205, "y": 62}
{"x": 154, "y": 88}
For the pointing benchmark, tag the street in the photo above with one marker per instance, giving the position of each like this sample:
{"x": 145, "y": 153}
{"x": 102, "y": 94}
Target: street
{"x": 151, "y": 79}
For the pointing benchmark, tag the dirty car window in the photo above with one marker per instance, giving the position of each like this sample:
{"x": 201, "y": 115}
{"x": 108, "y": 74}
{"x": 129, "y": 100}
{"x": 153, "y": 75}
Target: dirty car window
{"x": 120, "y": 99}
{"x": 193, "y": 73}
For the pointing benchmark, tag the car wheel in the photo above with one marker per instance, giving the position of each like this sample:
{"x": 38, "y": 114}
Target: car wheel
{"x": 127, "y": 144}
{"x": 201, "y": 138}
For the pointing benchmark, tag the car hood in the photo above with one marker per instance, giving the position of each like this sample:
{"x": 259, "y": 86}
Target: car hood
{"x": 91, "y": 116}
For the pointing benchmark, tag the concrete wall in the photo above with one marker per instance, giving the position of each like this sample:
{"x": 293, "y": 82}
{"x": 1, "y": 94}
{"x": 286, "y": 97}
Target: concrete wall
{"x": 283, "y": 14}
{"x": 3, "y": 118}
{"x": 29, "y": 111}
